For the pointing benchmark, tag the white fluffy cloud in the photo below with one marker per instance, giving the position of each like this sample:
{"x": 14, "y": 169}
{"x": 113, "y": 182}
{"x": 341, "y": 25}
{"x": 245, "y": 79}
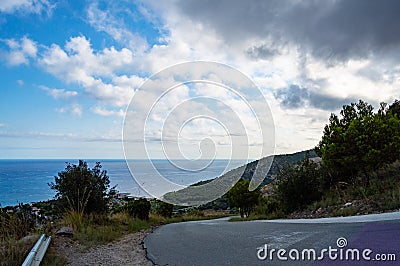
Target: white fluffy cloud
{"x": 78, "y": 60}
{"x": 73, "y": 109}
{"x": 78, "y": 63}
{"x": 104, "y": 75}
{"x": 20, "y": 51}
{"x": 106, "y": 112}
{"x": 27, "y": 6}
{"x": 103, "y": 20}
{"x": 59, "y": 93}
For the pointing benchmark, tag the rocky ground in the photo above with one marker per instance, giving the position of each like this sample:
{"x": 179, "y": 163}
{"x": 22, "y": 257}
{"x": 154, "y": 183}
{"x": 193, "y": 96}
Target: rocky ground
{"x": 355, "y": 207}
{"x": 126, "y": 251}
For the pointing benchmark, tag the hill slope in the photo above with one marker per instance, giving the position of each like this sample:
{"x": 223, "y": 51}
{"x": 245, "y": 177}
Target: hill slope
{"x": 257, "y": 170}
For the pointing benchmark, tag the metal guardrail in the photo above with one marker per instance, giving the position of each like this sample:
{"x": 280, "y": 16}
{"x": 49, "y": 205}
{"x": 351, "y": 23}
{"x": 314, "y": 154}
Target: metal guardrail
{"x": 37, "y": 253}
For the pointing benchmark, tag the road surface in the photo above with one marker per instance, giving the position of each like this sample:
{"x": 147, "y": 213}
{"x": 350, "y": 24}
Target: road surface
{"x": 219, "y": 242}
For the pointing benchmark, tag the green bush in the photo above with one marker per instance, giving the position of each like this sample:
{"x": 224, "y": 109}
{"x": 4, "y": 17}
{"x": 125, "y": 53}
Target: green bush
{"x": 195, "y": 212}
{"x": 241, "y": 197}
{"x": 16, "y": 224}
{"x": 139, "y": 208}
{"x": 298, "y": 185}
{"x": 82, "y": 189}
{"x": 165, "y": 209}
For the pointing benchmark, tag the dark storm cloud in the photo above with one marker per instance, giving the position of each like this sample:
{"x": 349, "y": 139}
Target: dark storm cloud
{"x": 295, "y": 97}
{"x": 327, "y": 102}
{"x": 232, "y": 19}
{"x": 337, "y": 30}
{"x": 292, "y": 97}
{"x": 263, "y": 51}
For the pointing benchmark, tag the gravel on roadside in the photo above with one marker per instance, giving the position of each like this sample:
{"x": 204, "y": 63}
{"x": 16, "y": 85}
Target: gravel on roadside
{"x": 126, "y": 251}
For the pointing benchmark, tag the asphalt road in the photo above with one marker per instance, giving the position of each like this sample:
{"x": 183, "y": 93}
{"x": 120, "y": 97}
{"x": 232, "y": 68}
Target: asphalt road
{"x": 219, "y": 242}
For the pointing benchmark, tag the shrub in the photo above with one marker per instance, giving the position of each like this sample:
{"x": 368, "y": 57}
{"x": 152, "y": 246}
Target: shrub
{"x": 195, "y": 212}
{"x": 13, "y": 252}
{"x": 139, "y": 208}
{"x": 16, "y": 224}
{"x": 241, "y": 197}
{"x": 298, "y": 185}
{"x": 82, "y": 189}
{"x": 165, "y": 209}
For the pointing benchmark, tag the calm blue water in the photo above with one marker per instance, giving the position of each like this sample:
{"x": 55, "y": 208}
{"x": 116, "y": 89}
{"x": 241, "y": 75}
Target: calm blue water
{"x": 26, "y": 180}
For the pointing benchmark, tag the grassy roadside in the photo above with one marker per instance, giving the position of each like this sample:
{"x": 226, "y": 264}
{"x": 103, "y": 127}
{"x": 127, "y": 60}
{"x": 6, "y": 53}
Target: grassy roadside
{"x": 13, "y": 252}
{"x": 97, "y": 230}
{"x": 91, "y": 231}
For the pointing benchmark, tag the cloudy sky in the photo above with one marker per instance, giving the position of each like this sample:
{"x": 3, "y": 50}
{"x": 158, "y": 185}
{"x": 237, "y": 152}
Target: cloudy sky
{"x": 69, "y": 69}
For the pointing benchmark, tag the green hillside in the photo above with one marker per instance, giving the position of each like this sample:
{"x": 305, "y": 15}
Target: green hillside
{"x": 278, "y": 162}
{"x": 189, "y": 196}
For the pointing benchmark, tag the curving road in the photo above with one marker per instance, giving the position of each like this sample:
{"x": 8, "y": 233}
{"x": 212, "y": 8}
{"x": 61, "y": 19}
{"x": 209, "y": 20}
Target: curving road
{"x": 219, "y": 242}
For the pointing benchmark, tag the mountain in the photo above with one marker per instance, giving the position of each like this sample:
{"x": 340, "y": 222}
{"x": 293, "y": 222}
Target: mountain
{"x": 278, "y": 161}
{"x": 257, "y": 171}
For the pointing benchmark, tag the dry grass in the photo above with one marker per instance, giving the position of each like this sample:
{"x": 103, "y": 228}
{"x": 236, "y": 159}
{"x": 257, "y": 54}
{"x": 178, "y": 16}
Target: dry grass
{"x": 13, "y": 252}
{"x": 89, "y": 231}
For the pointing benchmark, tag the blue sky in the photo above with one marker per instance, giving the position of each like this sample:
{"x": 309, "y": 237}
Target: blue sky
{"x": 42, "y": 114}
{"x": 70, "y": 68}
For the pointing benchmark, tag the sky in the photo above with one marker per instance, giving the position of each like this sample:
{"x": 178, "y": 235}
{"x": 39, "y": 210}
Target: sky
{"x": 69, "y": 69}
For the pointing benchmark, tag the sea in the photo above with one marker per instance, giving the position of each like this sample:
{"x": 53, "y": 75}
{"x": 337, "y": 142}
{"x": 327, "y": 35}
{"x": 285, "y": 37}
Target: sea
{"x": 26, "y": 181}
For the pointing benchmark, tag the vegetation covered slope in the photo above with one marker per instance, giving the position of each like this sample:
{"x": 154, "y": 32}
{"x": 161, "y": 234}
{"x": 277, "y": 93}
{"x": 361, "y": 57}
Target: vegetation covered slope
{"x": 359, "y": 149}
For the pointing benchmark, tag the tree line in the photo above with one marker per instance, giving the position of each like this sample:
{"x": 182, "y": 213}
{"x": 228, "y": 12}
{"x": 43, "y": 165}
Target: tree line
{"x": 355, "y": 144}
